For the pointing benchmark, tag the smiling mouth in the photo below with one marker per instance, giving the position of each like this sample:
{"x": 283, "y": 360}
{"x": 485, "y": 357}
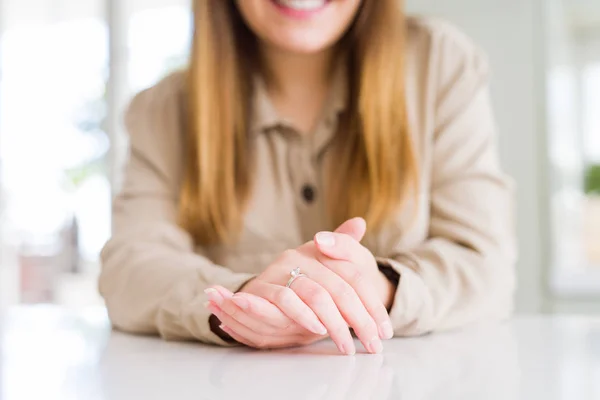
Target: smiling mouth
{"x": 302, "y": 5}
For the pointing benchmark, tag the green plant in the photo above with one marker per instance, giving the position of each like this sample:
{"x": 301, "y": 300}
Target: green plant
{"x": 592, "y": 179}
{"x": 77, "y": 176}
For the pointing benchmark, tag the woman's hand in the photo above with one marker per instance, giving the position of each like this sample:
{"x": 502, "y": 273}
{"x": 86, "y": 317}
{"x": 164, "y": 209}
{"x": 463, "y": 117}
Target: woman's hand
{"x": 338, "y": 250}
{"x": 334, "y": 291}
{"x": 257, "y": 323}
{"x": 339, "y": 297}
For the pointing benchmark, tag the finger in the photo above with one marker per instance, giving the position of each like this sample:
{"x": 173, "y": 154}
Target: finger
{"x": 223, "y": 299}
{"x": 235, "y": 336}
{"x": 322, "y": 304}
{"x": 349, "y": 304}
{"x": 257, "y": 340}
{"x": 276, "y": 344}
{"x": 355, "y": 228}
{"x": 290, "y": 304}
{"x": 214, "y": 295}
{"x": 249, "y": 337}
{"x": 255, "y": 313}
{"x": 367, "y": 293}
{"x": 258, "y": 325}
{"x": 261, "y": 309}
{"x": 340, "y": 246}
{"x": 226, "y": 293}
{"x": 351, "y": 254}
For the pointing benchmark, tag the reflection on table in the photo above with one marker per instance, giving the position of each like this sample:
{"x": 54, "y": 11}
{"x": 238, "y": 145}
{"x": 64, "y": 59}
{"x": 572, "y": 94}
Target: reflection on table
{"x": 48, "y": 353}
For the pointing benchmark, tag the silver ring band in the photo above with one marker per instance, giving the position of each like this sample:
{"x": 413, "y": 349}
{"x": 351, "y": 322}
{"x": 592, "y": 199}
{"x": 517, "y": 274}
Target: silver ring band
{"x": 295, "y": 273}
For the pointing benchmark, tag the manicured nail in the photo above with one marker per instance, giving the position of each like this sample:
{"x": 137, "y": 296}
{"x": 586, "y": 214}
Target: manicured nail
{"x": 223, "y": 327}
{"x": 386, "y": 331}
{"x": 241, "y": 302}
{"x": 375, "y": 346}
{"x": 325, "y": 239}
{"x": 348, "y": 349}
{"x": 214, "y": 296}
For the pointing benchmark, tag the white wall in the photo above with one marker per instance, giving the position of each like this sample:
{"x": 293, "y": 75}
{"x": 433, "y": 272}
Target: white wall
{"x": 511, "y": 32}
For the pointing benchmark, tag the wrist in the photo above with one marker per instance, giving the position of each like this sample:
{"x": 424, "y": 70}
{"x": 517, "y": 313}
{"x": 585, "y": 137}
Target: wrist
{"x": 245, "y": 285}
{"x": 389, "y": 279}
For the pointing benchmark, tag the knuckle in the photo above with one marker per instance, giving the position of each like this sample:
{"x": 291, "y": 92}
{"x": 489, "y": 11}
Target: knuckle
{"x": 344, "y": 290}
{"x": 366, "y": 325}
{"x": 282, "y": 297}
{"x": 356, "y": 277}
{"x": 289, "y": 254}
{"x": 340, "y": 330}
{"x": 317, "y": 296}
{"x": 327, "y": 263}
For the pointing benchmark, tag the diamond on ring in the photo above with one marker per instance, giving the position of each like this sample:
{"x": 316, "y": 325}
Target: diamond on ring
{"x": 295, "y": 274}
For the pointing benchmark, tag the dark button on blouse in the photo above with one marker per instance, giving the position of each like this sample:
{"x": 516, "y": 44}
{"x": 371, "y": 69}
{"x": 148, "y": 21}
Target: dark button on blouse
{"x": 308, "y": 193}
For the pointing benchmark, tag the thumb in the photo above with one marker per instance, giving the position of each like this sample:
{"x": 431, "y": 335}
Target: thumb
{"x": 355, "y": 228}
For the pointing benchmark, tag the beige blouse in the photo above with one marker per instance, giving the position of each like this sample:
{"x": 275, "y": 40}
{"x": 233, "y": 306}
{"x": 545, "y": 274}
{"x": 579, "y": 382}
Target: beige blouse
{"x": 456, "y": 259}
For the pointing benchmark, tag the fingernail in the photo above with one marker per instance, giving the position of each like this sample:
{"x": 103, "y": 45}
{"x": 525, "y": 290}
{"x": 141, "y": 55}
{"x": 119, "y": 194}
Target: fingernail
{"x": 325, "y": 239}
{"x": 375, "y": 346}
{"x": 223, "y": 327}
{"x": 214, "y": 296}
{"x": 386, "y": 331}
{"x": 207, "y": 304}
{"x": 319, "y": 329}
{"x": 348, "y": 349}
{"x": 241, "y": 302}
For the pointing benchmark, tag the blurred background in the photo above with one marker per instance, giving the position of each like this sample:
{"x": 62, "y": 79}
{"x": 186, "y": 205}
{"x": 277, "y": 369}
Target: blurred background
{"x": 69, "y": 67}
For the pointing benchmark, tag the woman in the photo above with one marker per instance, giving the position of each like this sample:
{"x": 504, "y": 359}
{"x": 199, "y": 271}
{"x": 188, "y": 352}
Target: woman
{"x": 247, "y": 169}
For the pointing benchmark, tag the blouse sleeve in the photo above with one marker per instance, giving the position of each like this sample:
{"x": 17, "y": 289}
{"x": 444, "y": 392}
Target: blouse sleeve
{"x": 464, "y": 271}
{"x": 152, "y": 279}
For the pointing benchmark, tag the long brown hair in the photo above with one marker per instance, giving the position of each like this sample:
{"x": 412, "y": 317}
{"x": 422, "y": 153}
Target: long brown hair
{"x": 375, "y": 163}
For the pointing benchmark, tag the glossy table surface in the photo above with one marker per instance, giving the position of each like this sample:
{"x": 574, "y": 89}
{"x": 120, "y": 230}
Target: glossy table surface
{"x": 48, "y": 353}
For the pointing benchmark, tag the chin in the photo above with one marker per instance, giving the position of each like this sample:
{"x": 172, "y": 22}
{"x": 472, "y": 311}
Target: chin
{"x": 302, "y": 43}
{"x": 301, "y": 48}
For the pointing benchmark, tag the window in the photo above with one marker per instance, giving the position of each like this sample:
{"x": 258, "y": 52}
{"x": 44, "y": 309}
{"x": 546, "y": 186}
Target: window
{"x": 67, "y": 70}
{"x": 574, "y": 145}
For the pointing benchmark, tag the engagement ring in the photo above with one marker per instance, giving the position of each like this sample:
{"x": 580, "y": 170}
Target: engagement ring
{"x": 295, "y": 274}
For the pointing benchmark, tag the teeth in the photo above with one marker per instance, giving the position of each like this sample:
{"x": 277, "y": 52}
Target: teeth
{"x": 303, "y": 4}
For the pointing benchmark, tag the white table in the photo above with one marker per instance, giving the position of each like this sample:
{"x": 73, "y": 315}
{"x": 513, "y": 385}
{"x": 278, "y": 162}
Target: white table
{"x": 48, "y": 353}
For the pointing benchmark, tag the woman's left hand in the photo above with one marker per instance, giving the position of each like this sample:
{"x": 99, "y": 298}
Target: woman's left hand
{"x": 341, "y": 252}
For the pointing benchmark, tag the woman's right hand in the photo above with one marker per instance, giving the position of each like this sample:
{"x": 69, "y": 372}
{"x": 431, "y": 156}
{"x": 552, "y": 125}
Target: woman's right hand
{"x": 257, "y": 323}
{"x": 323, "y": 296}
